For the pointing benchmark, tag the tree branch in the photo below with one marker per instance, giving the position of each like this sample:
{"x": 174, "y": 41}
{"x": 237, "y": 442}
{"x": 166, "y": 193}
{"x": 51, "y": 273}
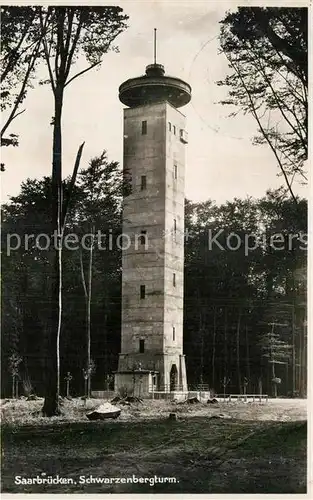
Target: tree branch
{"x": 294, "y": 166}
{"x": 280, "y": 45}
{"x": 69, "y": 31}
{"x": 31, "y": 64}
{"x": 71, "y": 186}
{"x": 279, "y": 105}
{"x": 20, "y": 96}
{"x": 17, "y": 114}
{"x": 82, "y": 72}
{"x": 265, "y": 135}
{"x": 82, "y": 272}
{"x": 72, "y": 50}
{"x": 13, "y": 55}
{"x": 47, "y": 55}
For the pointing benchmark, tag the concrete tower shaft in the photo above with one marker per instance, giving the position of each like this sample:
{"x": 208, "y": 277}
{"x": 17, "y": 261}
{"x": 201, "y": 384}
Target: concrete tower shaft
{"x": 153, "y": 225}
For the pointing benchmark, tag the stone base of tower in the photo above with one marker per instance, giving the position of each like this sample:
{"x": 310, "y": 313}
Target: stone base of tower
{"x": 143, "y": 375}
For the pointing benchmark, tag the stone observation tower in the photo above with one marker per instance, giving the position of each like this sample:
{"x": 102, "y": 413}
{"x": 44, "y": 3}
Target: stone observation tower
{"x": 155, "y": 138}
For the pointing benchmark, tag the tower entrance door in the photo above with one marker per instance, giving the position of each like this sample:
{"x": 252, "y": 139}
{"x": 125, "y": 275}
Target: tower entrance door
{"x": 173, "y": 378}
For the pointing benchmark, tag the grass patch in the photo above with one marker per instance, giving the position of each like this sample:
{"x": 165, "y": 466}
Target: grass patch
{"x": 289, "y": 437}
{"x": 205, "y": 455}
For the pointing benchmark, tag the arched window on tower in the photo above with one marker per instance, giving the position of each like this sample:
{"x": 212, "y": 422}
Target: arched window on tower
{"x": 143, "y": 239}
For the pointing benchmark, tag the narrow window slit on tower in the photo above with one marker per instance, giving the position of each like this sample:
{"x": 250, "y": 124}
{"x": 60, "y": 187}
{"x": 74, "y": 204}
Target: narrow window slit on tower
{"x": 143, "y": 182}
{"x": 174, "y": 279}
{"x": 175, "y": 170}
{"x": 143, "y": 237}
{"x": 144, "y": 127}
{"x": 141, "y": 345}
{"x": 175, "y": 229}
{"x": 174, "y": 130}
{"x": 174, "y": 332}
{"x": 169, "y": 126}
{"x": 183, "y": 136}
{"x": 142, "y": 291}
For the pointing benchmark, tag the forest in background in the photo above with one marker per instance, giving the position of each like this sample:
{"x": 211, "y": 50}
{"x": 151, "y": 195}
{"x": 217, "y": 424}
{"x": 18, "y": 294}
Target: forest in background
{"x": 245, "y": 323}
{"x": 244, "y": 311}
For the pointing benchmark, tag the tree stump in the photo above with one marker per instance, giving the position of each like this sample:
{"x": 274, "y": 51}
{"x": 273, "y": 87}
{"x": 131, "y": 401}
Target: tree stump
{"x": 172, "y": 416}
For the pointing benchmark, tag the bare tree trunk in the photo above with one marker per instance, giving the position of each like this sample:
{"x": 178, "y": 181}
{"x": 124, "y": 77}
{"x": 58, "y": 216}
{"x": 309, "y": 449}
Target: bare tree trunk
{"x": 88, "y": 315}
{"x": 86, "y": 301}
{"x": 201, "y": 346}
{"x": 300, "y": 356}
{"x": 51, "y": 403}
{"x": 105, "y": 333}
{"x": 293, "y": 353}
{"x": 238, "y": 352}
{"x": 87, "y": 292}
{"x": 225, "y": 343}
{"x": 59, "y": 318}
{"x": 247, "y": 354}
{"x": 200, "y": 335}
{"x": 304, "y": 361}
{"x": 260, "y": 386}
{"x": 213, "y": 348}
{"x": 273, "y": 377}
{"x": 274, "y": 385}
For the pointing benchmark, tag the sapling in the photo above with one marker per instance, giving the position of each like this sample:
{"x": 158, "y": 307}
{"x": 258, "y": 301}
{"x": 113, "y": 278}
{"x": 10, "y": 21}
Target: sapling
{"x": 225, "y": 383}
{"x": 14, "y": 362}
{"x": 87, "y": 373}
{"x": 68, "y": 379}
{"x": 245, "y": 385}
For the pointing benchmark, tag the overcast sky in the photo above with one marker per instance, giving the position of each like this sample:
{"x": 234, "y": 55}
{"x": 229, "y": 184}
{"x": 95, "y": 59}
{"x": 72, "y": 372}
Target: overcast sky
{"x": 221, "y": 161}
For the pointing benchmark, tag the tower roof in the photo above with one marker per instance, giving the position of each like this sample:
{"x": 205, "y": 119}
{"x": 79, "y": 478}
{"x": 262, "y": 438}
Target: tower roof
{"x": 154, "y": 86}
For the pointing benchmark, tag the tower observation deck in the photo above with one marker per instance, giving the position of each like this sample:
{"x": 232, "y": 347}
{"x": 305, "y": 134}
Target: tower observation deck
{"x": 154, "y": 87}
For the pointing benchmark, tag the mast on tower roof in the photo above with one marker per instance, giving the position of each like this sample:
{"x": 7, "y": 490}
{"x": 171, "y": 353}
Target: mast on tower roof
{"x": 154, "y": 86}
{"x": 155, "y": 31}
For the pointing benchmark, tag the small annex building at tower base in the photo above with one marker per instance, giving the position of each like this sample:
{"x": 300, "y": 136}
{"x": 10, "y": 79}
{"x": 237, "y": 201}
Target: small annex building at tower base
{"x": 168, "y": 375}
{"x": 142, "y": 384}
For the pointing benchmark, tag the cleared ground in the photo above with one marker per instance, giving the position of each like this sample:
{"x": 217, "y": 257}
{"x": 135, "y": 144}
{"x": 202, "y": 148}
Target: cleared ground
{"x": 224, "y": 448}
